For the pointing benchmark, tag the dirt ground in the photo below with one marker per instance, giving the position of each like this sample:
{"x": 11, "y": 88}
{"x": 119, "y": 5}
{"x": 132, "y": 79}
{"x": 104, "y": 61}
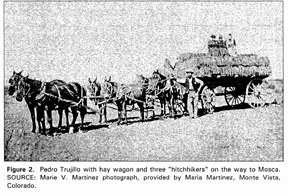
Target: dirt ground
{"x": 237, "y": 134}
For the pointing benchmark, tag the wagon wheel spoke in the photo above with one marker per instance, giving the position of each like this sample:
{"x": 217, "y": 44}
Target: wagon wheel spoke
{"x": 234, "y": 102}
{"x": 251, "y": 89}
{"x": 233, "y": 96}
{"x": 230, "y": 97}
{"x": 230, "y": 100}
{"x": 230, "y": 89}
{"x": 208, "y": 98}
{"x": 255, "y": 91}
{"x": 241, "y": 99}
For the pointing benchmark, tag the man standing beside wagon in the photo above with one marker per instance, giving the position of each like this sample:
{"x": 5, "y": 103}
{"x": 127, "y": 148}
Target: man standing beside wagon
{"x": 193, "y": 86}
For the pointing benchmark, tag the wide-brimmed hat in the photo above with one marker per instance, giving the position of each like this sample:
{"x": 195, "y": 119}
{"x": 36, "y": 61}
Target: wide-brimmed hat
{"x": 189, "y": 70}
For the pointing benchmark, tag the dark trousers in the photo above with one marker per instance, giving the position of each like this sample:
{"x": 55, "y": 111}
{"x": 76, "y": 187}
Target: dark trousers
{"x": 192, "y": 104}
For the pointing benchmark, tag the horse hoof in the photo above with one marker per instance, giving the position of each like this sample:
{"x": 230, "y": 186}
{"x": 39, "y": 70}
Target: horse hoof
{"x": 75, "y": 130}
{"x": 70, "y": 129}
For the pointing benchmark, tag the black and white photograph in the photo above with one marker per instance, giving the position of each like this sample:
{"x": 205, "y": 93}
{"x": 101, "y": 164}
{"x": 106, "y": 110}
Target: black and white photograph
{"x": 143, "y": 81}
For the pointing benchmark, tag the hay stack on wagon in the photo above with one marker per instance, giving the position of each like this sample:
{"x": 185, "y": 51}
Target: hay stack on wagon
{"x": 205, "y": 65}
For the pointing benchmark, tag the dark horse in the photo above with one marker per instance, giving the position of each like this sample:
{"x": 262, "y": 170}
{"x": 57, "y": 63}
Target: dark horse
{"x": 95, "y": 89}
{"x": 123, "y": 95}
{"x": 34, "y": 89}
{"x": 57, "y": 96}
{"x": 29, "y": 89}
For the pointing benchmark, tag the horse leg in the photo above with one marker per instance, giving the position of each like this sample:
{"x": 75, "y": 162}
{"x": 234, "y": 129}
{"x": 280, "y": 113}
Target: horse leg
{"x": 119, "y": 106}
{"x": 170, "y": 106}
{"x": 49, "y": 115}
{"x": 74, "y": 114}
{"x": 125, "y": 111}
{"x": 147, "y": 109}
{"x": 60, "y": 112}
{"x": 141, "y": 106}
{"x": 32, "y": 112}
{"x": 101, "y": 113}
{"x": 153, "y": 111}
{"x": 67, "y": 118}
{"x": 39, "y": 116}
{"x": 166, "y": 100}
{"x": 162, "y": 105}
{"x": 105, "y": 113}
{"x": 172, "y": 114}
{"x": 41, "y": 120}
{"x": 82, "y": 115}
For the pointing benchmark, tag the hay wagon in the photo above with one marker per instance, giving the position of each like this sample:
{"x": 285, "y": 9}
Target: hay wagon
{"x": 242, "y": 78}
{"x": 237, "y": 90}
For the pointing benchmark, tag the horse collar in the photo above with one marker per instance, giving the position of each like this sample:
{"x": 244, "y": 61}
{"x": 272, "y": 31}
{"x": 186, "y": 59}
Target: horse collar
{"x": 43, "y": 84}
{"x": 59, "y": 95}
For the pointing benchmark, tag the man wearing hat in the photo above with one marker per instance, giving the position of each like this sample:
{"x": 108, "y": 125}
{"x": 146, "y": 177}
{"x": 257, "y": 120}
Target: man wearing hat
{"x": 213, "y": 46}
{"x": 231, "y": 45}
{"x": 193, "y": 85}
{"x": 222, "y": 46}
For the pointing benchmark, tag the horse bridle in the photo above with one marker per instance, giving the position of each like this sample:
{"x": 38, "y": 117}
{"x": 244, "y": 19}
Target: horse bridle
{"x": 15, "y": 82}
{"x": 21, "y": 89}
{"x": 109, "y": 88}
{"x": 92, "y": 88}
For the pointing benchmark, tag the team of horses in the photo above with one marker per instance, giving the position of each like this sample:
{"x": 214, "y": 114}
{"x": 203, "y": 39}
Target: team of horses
{"x": 61, "y": 96}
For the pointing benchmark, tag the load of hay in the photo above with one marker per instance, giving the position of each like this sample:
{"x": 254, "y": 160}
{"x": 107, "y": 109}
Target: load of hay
{"x": 205, "y": 65}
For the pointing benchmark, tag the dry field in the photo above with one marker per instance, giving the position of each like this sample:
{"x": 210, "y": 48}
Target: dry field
{"x": 238, "y": 134}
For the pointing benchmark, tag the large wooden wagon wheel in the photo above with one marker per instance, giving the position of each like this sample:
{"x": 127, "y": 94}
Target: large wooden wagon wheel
{"x": 234, "y": 96}
{"x": 256, "y": 92}
{"x": 208, "y": 100}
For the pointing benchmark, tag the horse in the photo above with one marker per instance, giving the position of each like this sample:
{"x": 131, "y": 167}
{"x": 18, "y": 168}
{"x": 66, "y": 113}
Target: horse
{"x": 58, "y": 96}
{"x": 94, "y": 88}
{"x": 123, "y": 95}
{"x": 178, "y": 96}
{"x": 156, "y": 88}
{"x": 29, "y": 89}
{"x": 170, "y": 91}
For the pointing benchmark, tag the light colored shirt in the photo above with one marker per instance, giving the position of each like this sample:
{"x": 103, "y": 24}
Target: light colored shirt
{"x": 191, "y": 87}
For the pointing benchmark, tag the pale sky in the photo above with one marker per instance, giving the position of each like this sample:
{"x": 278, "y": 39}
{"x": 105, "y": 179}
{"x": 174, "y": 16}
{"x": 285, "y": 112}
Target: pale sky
{"x": 76, "y": 40}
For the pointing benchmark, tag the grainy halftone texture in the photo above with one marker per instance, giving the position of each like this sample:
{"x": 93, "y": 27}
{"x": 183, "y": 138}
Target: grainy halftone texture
{"x": 72, "y": 41}
{"x": 76, "y": 40}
